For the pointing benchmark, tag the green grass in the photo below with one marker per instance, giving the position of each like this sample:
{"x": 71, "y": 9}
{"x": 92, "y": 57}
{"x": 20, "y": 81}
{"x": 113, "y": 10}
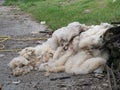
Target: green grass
{"x": 58, "y": 13}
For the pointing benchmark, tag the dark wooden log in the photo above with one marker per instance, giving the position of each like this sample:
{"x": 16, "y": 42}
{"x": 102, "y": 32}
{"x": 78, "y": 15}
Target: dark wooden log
{"x": 111, "y": 41}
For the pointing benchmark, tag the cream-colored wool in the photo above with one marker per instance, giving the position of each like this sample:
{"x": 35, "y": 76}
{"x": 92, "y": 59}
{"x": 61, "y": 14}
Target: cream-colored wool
{"x": 92, "y": 37}
{"x": 82, "y": 60}
{"x": 22, "y": 71}
{"x": 42, "y": 49}
{"x": 18, "y": 62}
{"x": 65, "y": 34}
{"x": 30, "y": 58}
{"x": 28, "y": 53}
{"x": 20, "y": 66}
{"x": 60, "y": 57}
{"x": 89, "y": 66}
{"x": 76, "y": 60}
{"x": 52, "y": 43}
{"x": 73, "y": 49}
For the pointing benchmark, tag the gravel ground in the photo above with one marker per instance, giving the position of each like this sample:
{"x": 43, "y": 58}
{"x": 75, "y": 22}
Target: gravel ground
{"x": 15, "y": 23}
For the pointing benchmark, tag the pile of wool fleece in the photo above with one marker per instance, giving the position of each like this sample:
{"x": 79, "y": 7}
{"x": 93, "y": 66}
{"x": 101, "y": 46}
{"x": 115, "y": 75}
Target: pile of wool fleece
{"x": 73, "y": 49}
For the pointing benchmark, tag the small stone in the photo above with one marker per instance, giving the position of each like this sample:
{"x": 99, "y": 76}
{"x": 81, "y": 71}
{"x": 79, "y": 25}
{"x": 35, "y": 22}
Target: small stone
{"x": 91, "y": 78}
{"x": 81, "y": 80}
{"x": 107, "y": 81}
{"x": 61, "y": 85}
{"x": 87, "y": 11}
{"x": 16, "y": 82}
{"x": 43, "y": 22}
{"x": 38, "y": 42}
{"x": 99, "y": 75}
{"x": 99, "y": 87}
{"x": 105, "y": 84}
{"x": 65, "y": 88}
{"x": 93, "y": 87}
{"x": 2, "y": 55}
{"x": 34, "y": 32}
{"x": 114, "y": 1}
{"x": 34, "y": 84}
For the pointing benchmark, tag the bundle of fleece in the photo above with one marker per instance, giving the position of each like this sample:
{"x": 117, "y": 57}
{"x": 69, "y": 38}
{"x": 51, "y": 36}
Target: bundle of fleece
{"x": 73, "y": 49}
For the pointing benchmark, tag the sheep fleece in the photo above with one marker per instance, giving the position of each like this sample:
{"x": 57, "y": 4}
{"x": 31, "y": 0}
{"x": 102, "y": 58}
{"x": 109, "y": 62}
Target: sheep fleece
{"x": 73, "y": 49}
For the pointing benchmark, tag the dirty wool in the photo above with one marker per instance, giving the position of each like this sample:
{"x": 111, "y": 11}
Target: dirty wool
{"x": 74, "y": 49}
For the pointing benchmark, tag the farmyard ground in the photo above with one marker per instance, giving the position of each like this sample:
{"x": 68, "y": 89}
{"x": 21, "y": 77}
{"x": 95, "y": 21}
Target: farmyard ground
{"x": 15, "y": 23}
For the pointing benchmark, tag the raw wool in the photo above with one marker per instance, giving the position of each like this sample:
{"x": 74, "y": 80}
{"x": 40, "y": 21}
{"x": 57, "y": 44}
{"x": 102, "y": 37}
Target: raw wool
{"x": 65, "y": 34}
{"x": 61, "y": 36}
{"x": 76, "y": 60}
{"x": 61, "y": 56}
{"x": 94, "y": 39}
{"x": 43, "y": 49}
{"x": 56, "y": 63}
{"x": 52, "y": 42}
{"x": 43, "y": 53}
{"x": 20, "y": 66}
{"x": 40, "y": 53}
{"x": 28, "y": 53}
{"x": 18, "y": 62}
{"x": 22, "y": 71}
{"x": 30, "y": 58}
{"x": 90, "y": 65}
{"x": 73, "y": 49}
{"x": 59, "y": 52}
{"x": 93, "y": 36}
{"x": 62, "y": 39}
{"x": 80, "y": 62}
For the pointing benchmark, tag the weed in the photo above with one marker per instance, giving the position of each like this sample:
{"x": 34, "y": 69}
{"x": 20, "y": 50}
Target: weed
{"x": 58, "y": 13}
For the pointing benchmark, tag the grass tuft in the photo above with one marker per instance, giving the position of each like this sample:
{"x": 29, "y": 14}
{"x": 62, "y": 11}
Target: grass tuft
{"x": 58, "y": 13}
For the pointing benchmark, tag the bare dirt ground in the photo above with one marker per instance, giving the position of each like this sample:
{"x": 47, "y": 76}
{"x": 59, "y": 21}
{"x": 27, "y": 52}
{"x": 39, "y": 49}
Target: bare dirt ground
{"x": 15, "y": 23}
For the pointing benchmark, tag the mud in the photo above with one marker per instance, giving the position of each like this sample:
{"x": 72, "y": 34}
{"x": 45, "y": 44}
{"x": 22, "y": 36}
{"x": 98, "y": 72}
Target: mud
{"x": 17, "y": 24}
